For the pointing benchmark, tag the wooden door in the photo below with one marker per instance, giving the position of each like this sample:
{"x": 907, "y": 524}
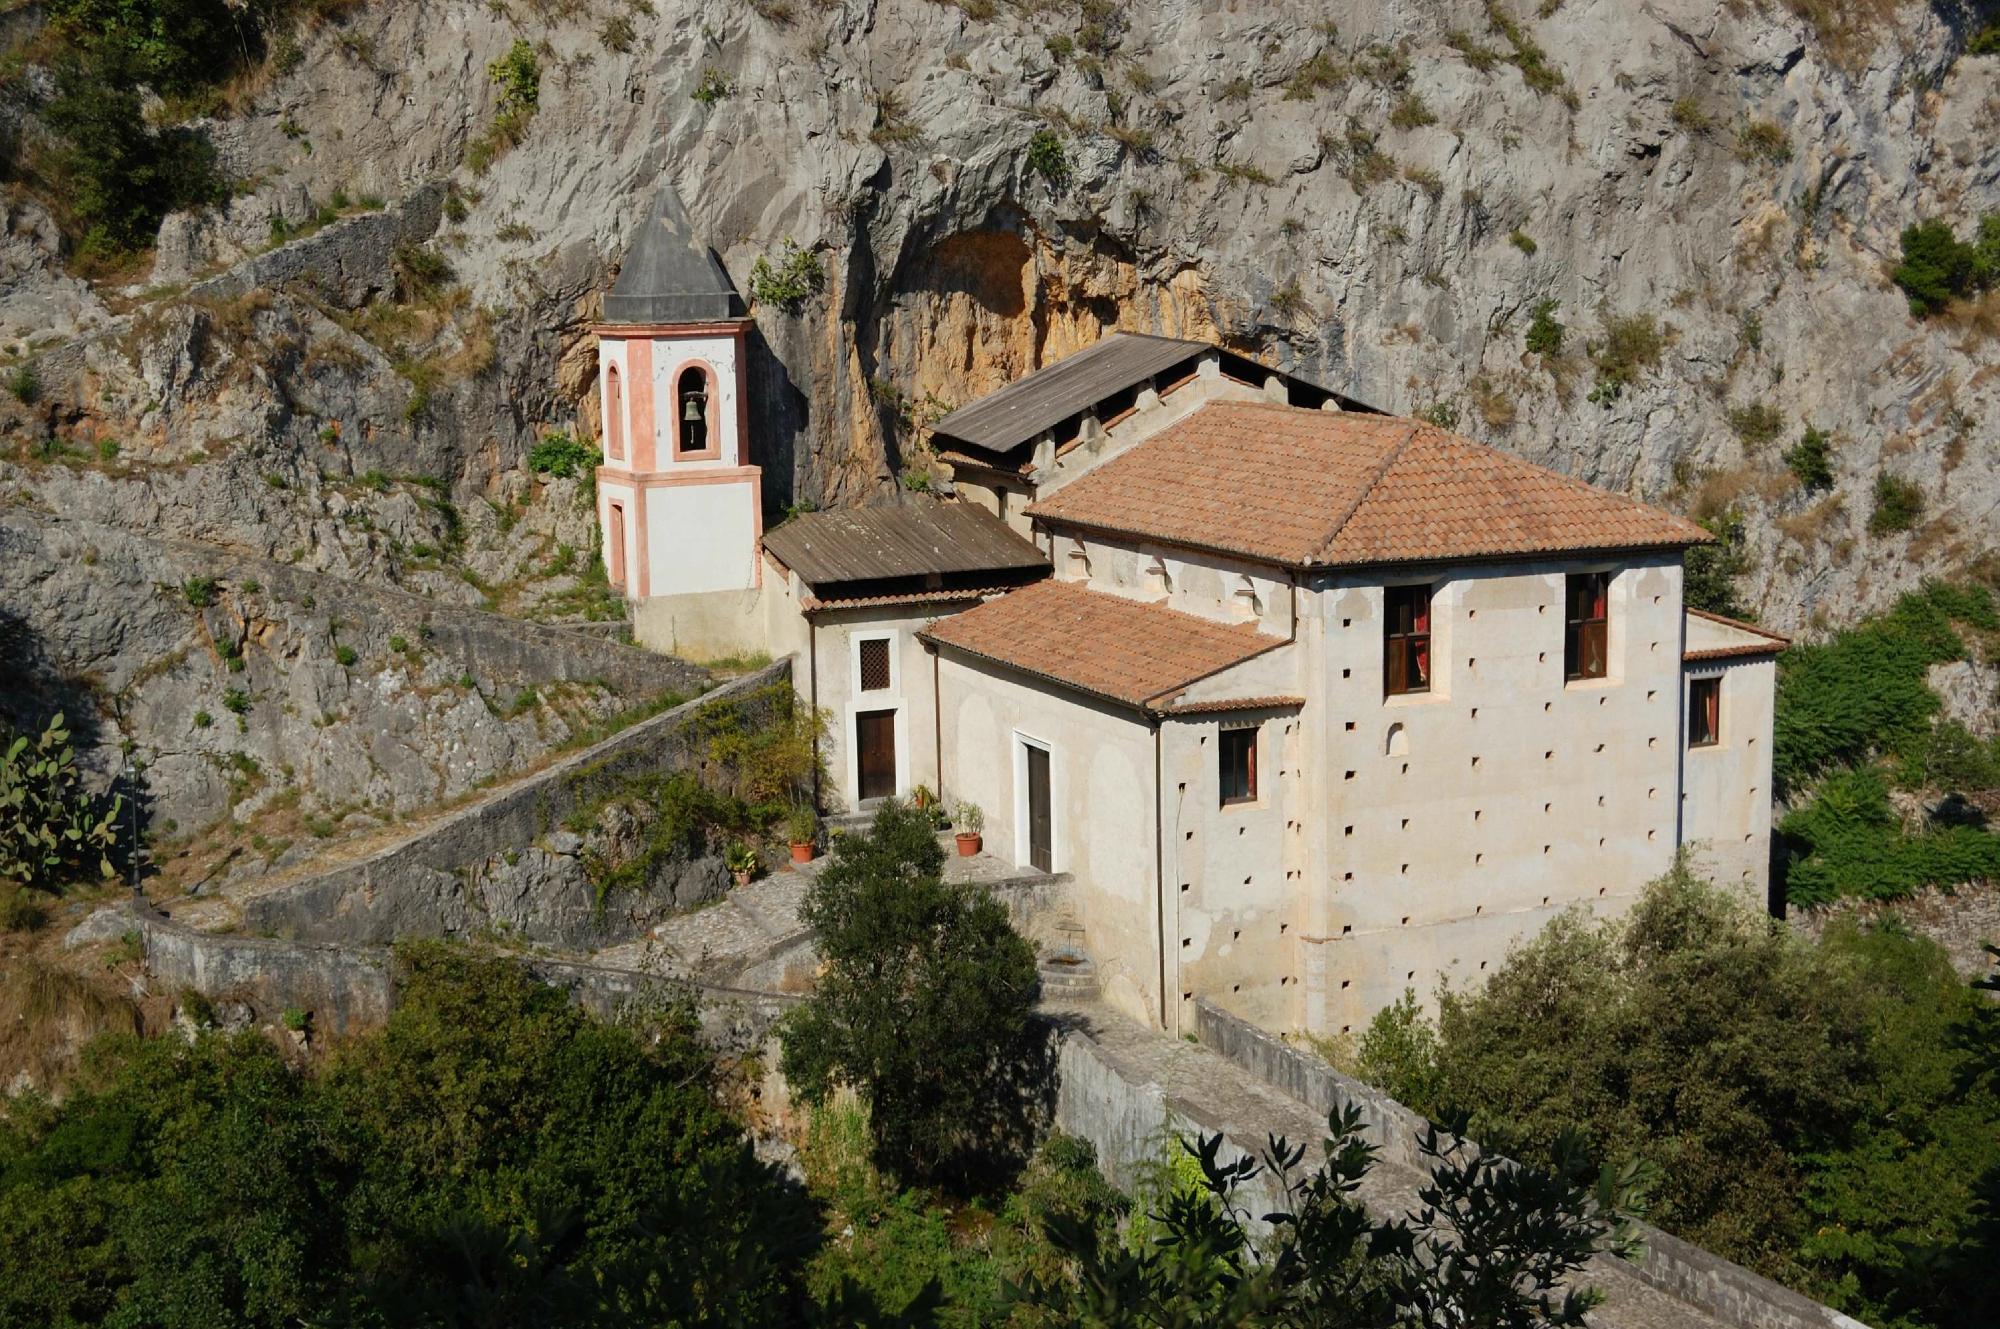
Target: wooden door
{"x": 875, "y": 752}
{"x": 1040, "y": 854}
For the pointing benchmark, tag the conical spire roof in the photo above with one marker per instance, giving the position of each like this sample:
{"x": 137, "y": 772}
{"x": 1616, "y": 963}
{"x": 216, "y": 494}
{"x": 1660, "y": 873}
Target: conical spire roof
{"x": 669, "y": 274}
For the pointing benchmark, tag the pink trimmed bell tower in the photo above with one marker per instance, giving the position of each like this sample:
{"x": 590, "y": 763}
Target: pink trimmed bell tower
{"x": 679, "y": 504}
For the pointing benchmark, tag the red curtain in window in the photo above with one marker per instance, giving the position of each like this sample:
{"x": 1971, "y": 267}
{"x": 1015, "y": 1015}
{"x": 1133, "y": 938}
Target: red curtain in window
{"x": 1711, "y": 711}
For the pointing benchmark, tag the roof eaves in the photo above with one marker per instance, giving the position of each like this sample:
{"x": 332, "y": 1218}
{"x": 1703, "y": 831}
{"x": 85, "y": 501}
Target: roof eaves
{"x": 1739, "y": 624}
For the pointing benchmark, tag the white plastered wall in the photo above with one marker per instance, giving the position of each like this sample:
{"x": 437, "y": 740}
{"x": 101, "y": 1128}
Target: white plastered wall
{"x": 1502, "y": 796}
{"x": 670, "y": 357}
{"x": 1726, "y": 817}
{"x": 909, "y": 694}
{"x": 702, "y": 537}
{"x": 1101, "y": 803}
{"x": 1211, "y": 586}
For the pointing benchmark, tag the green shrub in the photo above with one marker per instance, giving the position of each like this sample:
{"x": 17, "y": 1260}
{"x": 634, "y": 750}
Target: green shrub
{"x": 492, "y": 1146}
{"x": 1631, "y": 345}
{"x": 1986, "y": 41}
{"x": 1410, "y": 112}
{"x": 519, "y": 77}
{"x": 25, "y": 385}
{"x": 1824, "y": 1113}
{"x": 563, "y": 456}
{"x": 52, "y": 829}
{"x": 345, "y": 655}
{"x": 1756, "y": 424}
{"x": 794, "y": 278}
{"x": 714, "y": 87}
{"x": 1937, "y": 267}
{"x": 202, "y": 719}
{"x": 1811, "y": 458}
{"x": 236, "y": 701}
{"x": 1047, "y": 159}
{"x": 20, "y": 911}
{"x": 1545, "y": 334}
{"x": 1862, "y": 693}
{"x": 199, "y": 592}
{"x": 1522, "y": 241}
{"x": 1712, "y": 571}
{"x": 1848, "y": 841}
{"x": 421, "y": 272}
{"x": 1898, "y": 505}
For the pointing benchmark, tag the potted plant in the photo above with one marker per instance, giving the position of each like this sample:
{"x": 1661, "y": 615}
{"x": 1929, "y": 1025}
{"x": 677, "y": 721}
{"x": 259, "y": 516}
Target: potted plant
{"x": 802, "y": 827}
{"x": 968, "y": 821}
{"x": 742, "y": 862}
{"x": 923, "y": 796}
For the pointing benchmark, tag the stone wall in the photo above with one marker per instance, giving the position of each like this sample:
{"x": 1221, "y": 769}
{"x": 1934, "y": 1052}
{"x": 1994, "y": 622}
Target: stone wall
{"x": 421, "y": 886}
{"x": 1962, "y": 920}
{"x": 351, "y": 988}
{"x": 1727, "y": 1291}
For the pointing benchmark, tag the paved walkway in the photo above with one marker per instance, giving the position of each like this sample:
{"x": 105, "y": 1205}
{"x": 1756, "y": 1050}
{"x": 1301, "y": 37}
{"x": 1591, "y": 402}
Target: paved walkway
{"x": 1217, "y": 1095}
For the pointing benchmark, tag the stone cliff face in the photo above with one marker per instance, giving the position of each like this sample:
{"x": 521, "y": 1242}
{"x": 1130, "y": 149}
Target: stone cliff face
{"x": 1709, "y": 194}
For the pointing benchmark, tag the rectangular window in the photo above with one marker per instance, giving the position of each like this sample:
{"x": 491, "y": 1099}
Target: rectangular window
{"x": 1406, "y": 640}
{"x": 1704, "y": 712}
{"x": 1586, "y": 649}
{"x": 875, "y": 664}
{"x": 1236, "y": 765}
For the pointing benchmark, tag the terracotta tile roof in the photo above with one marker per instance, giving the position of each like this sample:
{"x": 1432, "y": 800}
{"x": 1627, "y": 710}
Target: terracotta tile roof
{"x": 1732, "y": 639}
{"x": 1308, "y": 488}
{"x": 1122, "y": 650}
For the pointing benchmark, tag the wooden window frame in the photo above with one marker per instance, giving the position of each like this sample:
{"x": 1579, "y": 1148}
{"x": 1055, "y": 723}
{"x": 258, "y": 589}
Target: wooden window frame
{"x": 1408, "y": 650}
{"x": 1246, "y": 753}
{"x": 861, "y": 650}
{"x": 1703, "y": 729}
{"x": 1580, "y": 626}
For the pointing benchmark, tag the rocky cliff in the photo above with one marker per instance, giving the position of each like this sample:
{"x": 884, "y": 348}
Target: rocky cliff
{"x": 344, "y": 367}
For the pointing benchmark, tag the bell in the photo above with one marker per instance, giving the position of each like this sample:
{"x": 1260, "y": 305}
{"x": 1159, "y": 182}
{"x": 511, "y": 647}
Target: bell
{"x": 692, "y": 411}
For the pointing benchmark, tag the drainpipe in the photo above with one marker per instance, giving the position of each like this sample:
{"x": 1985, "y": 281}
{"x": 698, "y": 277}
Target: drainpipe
{"x": 937, "y": 721}
{"x": 1160, "y": 864}
{"x": 812, "y": 671}
{"x": 1680, "y": 733}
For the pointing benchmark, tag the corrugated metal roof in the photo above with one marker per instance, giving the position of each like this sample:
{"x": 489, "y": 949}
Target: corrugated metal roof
{"x": 913, "y": 538}
{"x": 1027, "y": 406}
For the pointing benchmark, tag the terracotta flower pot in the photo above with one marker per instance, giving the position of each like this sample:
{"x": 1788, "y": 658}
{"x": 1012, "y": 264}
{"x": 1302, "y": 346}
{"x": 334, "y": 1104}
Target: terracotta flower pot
{"x": 742, "y": 876}
{"x": 968, "y": 843}
{"x": 802, "y": 851}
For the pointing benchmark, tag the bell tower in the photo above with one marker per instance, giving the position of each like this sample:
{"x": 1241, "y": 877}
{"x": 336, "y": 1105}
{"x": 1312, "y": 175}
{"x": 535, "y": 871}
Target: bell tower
{"x": 679, "y": 504}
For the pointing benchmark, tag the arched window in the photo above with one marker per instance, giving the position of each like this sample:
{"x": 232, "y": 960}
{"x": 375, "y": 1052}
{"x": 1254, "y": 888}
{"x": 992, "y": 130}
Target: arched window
{"x": 614, "y": 415}
{"x": 1398, "y": 742}
{"x": 695, "y": 409}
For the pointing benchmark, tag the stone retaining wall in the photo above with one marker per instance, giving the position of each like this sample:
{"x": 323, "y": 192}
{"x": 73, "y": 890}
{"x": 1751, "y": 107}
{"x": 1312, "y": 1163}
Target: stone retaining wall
{"x": 418, "y": 886}
{"x": 350, "y": 988}
{"x": 1728, "y": 1291}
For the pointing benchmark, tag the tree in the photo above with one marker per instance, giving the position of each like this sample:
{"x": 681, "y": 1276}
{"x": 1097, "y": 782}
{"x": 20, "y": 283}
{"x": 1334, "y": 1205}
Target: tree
{"x": 922, "y": 1005}
{"x": 1712, "y": 570}
{"x": 493, "y": 1156}
{"x": 1491, "y": 1245}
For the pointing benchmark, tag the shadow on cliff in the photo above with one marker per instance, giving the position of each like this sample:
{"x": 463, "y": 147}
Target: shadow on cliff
{"x": 35, "y": 687}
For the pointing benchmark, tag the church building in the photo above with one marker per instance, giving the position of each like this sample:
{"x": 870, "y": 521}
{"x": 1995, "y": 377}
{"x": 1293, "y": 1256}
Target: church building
{"x": 1312, "y": 703}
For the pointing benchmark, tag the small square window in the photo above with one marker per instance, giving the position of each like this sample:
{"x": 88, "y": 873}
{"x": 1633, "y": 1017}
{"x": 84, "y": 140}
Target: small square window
{"x": 875, "y": 664}
{"x": 1704, "y": 712}
{"x": 1236, "y": 765}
